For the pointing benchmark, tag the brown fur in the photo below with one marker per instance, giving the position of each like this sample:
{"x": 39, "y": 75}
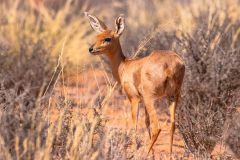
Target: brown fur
{"x": 160, "y": 74}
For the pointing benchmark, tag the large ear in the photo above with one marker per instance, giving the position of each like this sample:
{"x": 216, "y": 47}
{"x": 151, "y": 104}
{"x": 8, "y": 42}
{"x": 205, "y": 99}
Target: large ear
{"x": 96, "y": 24}
{"x": 119, "y": 25}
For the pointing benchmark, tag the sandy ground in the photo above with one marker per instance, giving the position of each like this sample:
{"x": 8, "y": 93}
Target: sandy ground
{"x": 88, "y": 88}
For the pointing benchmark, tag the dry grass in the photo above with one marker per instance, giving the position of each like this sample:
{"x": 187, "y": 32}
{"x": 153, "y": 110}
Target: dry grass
{"x": 42, "y": 44}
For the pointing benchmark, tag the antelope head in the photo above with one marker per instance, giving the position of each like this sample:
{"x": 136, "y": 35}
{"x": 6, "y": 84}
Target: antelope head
{"x": 106, "y": 41}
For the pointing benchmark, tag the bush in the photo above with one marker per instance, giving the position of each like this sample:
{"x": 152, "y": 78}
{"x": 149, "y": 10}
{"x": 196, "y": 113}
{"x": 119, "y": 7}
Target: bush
{"x": 231, "y": 134}
{"x": 211, "y": 84}
{"x": 24, "y": 78}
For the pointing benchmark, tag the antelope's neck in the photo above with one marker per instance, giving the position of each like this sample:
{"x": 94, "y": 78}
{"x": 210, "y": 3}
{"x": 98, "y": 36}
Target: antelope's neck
{"x": 116, "y": 59}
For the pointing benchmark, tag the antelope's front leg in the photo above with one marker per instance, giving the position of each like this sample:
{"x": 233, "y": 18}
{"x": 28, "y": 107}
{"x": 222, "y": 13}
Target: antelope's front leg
{"x": 135, "y": 111}
{"x": 134, "y": 107}
{"x": 134, "y": 99}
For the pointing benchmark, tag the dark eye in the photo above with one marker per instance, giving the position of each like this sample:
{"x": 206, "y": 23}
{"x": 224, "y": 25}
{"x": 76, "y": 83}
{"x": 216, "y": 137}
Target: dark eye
{"x": 107, "y": 40}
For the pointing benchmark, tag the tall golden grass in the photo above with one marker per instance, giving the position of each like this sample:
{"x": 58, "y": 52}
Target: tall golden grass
{"x": 38, "y": 22}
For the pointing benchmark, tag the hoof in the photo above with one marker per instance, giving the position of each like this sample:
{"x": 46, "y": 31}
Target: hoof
{"x": 153, "y": 140}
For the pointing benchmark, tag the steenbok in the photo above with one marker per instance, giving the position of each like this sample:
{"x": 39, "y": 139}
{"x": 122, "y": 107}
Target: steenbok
{"x": 158, "y": 75}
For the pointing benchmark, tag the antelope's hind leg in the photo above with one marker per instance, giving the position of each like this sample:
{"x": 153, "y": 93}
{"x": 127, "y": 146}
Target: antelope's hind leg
{"x": 147, "y": 122}
{"x": 172, "y": 108}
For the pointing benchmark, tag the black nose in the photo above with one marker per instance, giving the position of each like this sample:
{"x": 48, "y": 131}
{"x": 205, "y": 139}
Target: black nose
{"x": 90, "y": 49}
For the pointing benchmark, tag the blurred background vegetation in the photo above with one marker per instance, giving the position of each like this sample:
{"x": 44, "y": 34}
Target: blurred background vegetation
{"x": 43, "y": 41}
